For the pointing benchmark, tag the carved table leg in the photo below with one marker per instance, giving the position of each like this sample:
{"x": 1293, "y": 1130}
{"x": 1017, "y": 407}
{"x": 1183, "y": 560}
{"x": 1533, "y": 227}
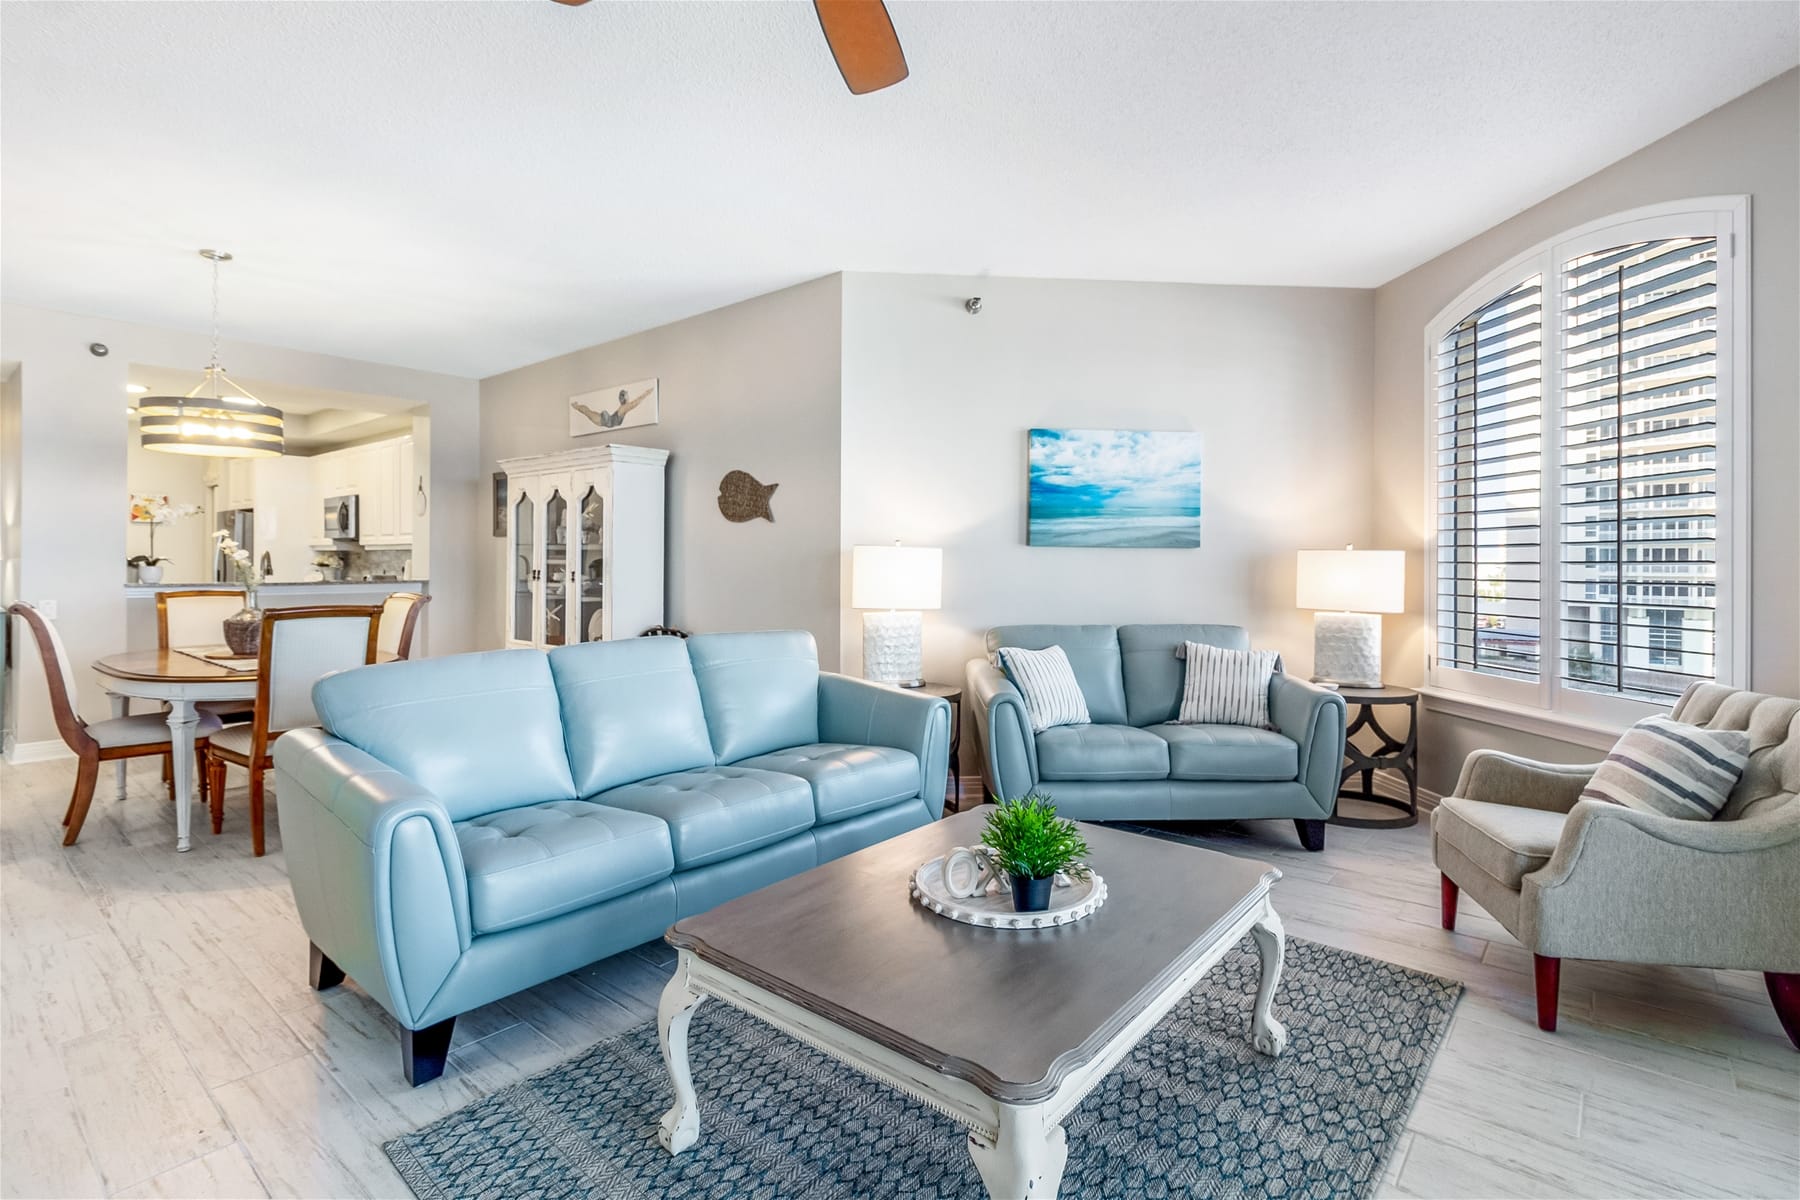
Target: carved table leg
{"x": 182, "y": 720}
{"x": 1268, "y": 1035}
{"x": 680, "y": 1127}
{"x": 1026, "y": 1161}
{"x": 121, "y": 706}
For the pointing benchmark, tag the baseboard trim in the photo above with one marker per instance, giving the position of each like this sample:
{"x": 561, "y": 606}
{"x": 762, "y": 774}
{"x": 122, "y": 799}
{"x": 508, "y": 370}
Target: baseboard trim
{"x": 1393, "y": 785}
{"x": 22, "y": 753}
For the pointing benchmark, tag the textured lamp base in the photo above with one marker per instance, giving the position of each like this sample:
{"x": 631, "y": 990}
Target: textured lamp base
{"x": 894, "y": 648}
{"x": 1347, "y": 649}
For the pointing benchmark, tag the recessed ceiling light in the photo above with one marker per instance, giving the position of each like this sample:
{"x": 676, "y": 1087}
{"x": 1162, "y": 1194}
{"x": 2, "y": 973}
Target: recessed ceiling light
{"x": 136, "y": 389}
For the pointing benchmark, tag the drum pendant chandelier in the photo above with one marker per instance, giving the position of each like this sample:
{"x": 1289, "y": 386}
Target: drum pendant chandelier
{"x": 206, "y": 421}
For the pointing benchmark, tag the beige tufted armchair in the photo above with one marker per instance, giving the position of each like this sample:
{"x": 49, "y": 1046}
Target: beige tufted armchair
{"x": 1573, "y": 878}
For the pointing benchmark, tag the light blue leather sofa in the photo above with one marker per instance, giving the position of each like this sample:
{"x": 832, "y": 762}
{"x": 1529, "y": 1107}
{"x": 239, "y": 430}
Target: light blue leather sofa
{"x": 466, "y": 827}
{"x": 1132, "y": 763}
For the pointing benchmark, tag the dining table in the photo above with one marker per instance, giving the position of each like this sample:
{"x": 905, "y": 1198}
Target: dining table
{"x": 181, "y": 679}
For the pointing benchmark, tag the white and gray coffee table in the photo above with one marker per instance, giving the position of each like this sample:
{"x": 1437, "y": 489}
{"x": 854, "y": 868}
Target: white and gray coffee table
{"x": 1003, "y": 1030}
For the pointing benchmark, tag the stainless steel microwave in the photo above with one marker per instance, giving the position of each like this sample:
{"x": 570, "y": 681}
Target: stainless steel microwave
{"x": 340, "y": 517}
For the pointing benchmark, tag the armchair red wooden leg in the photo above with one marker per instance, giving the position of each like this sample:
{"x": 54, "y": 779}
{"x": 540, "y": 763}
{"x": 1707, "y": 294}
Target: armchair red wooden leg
{"x": 1784, "y": 994}
{"x": 1447, "y": 892}
{"x": 1549, "y": 977}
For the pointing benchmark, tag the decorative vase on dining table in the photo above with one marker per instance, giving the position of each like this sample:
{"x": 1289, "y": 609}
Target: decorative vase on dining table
{"x": 243, "y": 629}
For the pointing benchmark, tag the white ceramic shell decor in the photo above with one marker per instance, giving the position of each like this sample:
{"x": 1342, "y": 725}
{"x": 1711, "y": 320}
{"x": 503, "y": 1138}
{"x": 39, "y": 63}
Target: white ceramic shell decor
{"x": 963, "y": 886}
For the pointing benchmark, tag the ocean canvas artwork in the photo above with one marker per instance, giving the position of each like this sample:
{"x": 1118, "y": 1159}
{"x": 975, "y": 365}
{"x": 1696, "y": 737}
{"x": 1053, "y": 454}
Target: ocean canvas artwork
{"x": 1114, "y": 487}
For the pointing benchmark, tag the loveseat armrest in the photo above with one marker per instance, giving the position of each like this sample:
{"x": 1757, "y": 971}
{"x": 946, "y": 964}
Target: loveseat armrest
{"x": 1008, "y": 747}
{"x": 859, "y": 713}
{"x": 1313, "y": 717}
{"x": 1495, "y": 777}
{"x": 376, "y": 869}
{"x": 1643, "y": 887}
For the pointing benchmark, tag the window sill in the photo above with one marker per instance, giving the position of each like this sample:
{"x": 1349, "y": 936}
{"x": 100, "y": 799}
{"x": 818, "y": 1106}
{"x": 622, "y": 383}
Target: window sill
{"x": 1577, "y": 731}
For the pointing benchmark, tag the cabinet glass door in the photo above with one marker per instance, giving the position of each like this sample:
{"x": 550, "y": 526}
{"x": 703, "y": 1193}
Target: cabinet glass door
{"x": 523, "y": 535}
{"x": 556, "y": 569}
{"x": 589, "y": 575}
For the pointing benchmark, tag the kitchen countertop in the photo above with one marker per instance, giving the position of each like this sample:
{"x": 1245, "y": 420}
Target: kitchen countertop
{"x": 144, "y": 590}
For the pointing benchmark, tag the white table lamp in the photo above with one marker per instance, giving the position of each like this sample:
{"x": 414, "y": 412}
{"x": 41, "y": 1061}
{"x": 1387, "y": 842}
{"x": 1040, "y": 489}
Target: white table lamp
{"x": 897, "y": 581}
{"x": 1349, "y": 588}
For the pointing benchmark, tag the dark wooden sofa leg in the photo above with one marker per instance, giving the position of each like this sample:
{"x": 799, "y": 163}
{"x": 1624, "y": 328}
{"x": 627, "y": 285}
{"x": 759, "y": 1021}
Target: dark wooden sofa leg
{"x": 1312, "y": 834}
{"x": 423, "y": 1051}
{"x": 323, "y": 973}
{"x": 1784, "y": 994}
{"x": 1447, "y": 893}
{"x": 1549, "y": 978}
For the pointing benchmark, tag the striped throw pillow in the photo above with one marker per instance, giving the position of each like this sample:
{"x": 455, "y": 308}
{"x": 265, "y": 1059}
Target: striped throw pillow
{"x": 1226, "y": 687}
{"x": 1047, "y": 681}
{"x": 1666, "y": 766}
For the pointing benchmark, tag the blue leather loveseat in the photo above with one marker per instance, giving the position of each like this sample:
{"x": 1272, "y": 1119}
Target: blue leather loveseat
{"x": 466, "y": 827}
{"x": 1132, "y": 762}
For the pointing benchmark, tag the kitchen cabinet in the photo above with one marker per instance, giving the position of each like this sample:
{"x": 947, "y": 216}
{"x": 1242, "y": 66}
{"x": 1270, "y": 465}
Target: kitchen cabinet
{"x": 380, "y": 475}
{"x": 584, "y": 545}
{"x": 237, "y": 484}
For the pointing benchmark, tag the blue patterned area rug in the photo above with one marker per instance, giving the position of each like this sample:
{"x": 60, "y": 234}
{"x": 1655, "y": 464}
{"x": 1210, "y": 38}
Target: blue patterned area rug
{"x": 1192, "y": 1112}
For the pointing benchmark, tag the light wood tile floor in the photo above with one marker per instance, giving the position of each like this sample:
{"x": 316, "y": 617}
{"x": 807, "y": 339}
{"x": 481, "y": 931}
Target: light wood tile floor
{"x": 157, "y": 1037}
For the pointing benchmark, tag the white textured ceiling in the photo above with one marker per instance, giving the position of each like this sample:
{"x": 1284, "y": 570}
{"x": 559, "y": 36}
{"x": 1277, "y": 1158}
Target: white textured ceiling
{"x": 468, "y": 187}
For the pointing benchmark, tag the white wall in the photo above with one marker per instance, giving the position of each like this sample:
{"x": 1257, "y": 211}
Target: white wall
{"x": 937, "y": 404}
{"x": 72, "y": 477}
{"x": 186, "y": 543}
{"x": 751, "y": 387}
{"x": 1751, "y": 145}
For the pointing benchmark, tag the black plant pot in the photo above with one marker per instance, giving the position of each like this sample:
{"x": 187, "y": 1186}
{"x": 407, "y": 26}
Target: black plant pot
{"x": 1032, "y": 895}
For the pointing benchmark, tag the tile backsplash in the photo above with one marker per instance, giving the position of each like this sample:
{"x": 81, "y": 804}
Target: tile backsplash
{"x": 367, "y": 561}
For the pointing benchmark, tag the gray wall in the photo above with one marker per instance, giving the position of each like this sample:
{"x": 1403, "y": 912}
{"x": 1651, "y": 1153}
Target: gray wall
{"x": 937, "y": 404}
{"x": 1747, "y": 146}
{"x": 751, "y": 387}
{"x": 71, "y": 526}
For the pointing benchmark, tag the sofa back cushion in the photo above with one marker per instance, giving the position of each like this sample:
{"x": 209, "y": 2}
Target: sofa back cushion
{"x": 1153, "y": 673}
{"x": 630, "y": 709}
{"x": 760, "y": 690}
{"x": 481, "y": 732}
{"x": 1093, "y": 652}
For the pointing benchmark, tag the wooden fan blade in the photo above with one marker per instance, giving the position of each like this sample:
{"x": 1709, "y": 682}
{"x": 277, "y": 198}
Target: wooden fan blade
{"x": 862, "y": 39}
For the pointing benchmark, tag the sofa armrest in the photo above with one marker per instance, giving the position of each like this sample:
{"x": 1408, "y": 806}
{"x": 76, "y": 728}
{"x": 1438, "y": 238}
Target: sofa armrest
{"x": 859, "y": 713}
{"x": 1493, "y": 777}
{"x": 376, "y": 869}
{"x": 1642, "y": 887}
{"x": 1008, "y": 746}
{"x": 1312, "y": 716}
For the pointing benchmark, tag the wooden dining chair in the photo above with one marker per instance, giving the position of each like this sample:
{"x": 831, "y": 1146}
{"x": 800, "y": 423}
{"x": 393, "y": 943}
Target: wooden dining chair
{"x": 196, "y": 617}
{"x": 299, "y": 647}
{"x": 95, "y": 742}
{"x": 400, "y": 622}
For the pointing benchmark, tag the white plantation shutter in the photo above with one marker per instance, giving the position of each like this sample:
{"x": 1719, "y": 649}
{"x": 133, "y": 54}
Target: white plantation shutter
{"x": 1589, "y": 489}
{"x": 1639, "y": 486}
{"x": 1490, "y": 417}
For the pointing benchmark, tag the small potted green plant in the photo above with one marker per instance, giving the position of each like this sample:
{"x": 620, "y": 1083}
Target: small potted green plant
{"x": 1030, "y": 843}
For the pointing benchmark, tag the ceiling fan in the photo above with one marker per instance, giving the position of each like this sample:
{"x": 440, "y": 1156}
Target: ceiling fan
{"x": 862, "y": 40}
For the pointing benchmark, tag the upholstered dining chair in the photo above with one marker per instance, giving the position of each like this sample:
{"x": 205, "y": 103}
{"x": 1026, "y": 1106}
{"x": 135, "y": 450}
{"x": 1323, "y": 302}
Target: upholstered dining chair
{"x": 1575, "y": 878}
{"x": 299, "y": 647}
{"x": 400, "y": 622}
{"x": 100, "y": 741}
{"x": 196, "y": 617}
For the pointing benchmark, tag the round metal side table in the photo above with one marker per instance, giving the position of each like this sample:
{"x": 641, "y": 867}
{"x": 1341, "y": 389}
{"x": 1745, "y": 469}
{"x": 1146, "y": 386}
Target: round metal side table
{"x": 1392, "y": 754}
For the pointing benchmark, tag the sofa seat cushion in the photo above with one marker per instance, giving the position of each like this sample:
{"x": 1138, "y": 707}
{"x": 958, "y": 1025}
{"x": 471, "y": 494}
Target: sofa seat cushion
{"x": 1101, "y": 752}
{"x": 1505, "y": 841}
{"x": 846, "y": 780}
{"x": 1225, "y": 752}
{"x": 715, "y": 813}
{"x": 528, "y": 864}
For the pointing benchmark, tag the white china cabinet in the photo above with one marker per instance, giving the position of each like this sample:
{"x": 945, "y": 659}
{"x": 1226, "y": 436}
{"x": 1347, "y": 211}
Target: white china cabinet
{"x": 584, "y": 545}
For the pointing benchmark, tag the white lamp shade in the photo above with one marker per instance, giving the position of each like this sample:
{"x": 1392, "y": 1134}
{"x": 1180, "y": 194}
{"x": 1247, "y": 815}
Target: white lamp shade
{"x": 902, "y": 577}
{"x": 1364, "y": 581}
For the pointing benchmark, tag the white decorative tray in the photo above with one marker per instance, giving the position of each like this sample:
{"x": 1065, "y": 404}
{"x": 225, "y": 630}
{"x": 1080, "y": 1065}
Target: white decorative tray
{"x": 993, "y": 907}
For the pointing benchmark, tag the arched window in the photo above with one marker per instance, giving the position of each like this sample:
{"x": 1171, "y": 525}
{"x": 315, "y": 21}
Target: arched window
{"x": 1589, "y": 467}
